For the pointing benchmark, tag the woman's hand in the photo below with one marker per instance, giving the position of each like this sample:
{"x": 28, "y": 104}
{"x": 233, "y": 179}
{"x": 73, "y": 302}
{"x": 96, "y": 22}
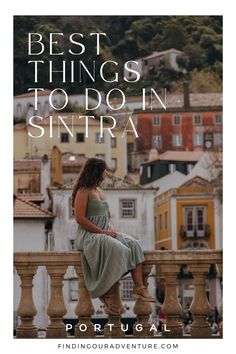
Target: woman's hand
{"x": 111, "y": 233}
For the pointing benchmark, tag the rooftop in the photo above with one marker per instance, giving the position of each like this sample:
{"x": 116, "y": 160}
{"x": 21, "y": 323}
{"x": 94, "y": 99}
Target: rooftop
{"x": 32, "y": 94}
{"x": 27, "y": 165}
{"x": 196, "y": 182}
{"x": 31, "y": 197}
{"x": 177, "y": 156}
{"x": 160, "y": 54}
{"x": 28, "y": 210}
{"x": 211, "y": 99}
{"x": 117, "y": 183}
{"x": 72, "y": 119}
{"x": 20, "y": 126}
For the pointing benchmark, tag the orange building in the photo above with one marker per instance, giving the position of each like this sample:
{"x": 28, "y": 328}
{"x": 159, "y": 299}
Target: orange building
{"x": 190, "y": 122}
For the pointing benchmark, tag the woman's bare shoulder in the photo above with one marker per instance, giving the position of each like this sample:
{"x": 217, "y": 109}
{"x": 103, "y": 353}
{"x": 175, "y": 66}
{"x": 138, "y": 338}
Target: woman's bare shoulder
{"x": 82, "y": 193}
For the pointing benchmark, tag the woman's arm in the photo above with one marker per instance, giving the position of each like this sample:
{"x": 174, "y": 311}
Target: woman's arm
{"x": 80, "y": 205}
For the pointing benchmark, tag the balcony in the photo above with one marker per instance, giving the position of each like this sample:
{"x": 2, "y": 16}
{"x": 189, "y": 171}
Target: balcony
{"x": 167, "y": 265}
{"x": 195, "y": 233}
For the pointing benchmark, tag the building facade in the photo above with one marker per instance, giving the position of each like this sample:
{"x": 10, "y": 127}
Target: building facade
{"x": 69, "y": 133}
{"x": 190, "y": 122}
{"x": 190, "y": 217}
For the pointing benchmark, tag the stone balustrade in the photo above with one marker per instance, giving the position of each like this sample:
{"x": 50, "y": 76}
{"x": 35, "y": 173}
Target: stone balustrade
{"x": 167, "y": 265}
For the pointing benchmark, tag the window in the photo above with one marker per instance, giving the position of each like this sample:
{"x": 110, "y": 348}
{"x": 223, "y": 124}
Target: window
{"x": 198, "y": 139}
{"x": 80, "y": 137}
{"x": 71, "y": 209}
{"x": 72, "y": 246}
{"x": 128, "y": 208}
{"x": 177, "y": 140}
{"x": 218, "y": 139}
{"x": 127, "y": 288}
{"x": 176, "y": 120}
{"x": 197, "y": 119}
{"x": 73, "y": 289}
{"x": 39, "y": 110}
{"x": 166, "y": 220}
{"x": 195, "y": 221}
{"x": 113, "y": 164}
{"x": 46, "y": 108}
{"x": 64, "y": 137}
{"x": 50, "y": 241}
{"x": 99, "y": 139}
{"x": 157, "y": 142}
{"x": 18, "y": 110}
{"x": 160, "y": 222}
{"x": 156, "y": 120}
{"x": 113, "y": 142}
{"x": 218, "y": 119}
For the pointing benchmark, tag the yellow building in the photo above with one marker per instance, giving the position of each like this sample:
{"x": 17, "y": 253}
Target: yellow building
{"x": 69, "y": 132}
{"x": 188, "y": 217}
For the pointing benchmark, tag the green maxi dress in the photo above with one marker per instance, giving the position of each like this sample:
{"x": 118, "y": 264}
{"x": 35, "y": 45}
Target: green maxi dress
{"x": 105, "y": 259}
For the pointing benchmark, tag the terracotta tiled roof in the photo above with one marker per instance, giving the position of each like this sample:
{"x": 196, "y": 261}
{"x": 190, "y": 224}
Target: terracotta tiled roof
{"x": 178, "y": 156}
{"x": 128, "y": 99}
{"x": 27, "y": 165}
{"x": 181, "y": 155}
{"x": 116, "y": 183}
{"x": 32, "y": 94}
{"x": 26, "y": 209}
{"x": 71, "y": 160}
{"x": 196, "y": 100}
{"x": 20, "y": 126}
{"x": 196, "y": 181}
{"x": 31, "y": 197}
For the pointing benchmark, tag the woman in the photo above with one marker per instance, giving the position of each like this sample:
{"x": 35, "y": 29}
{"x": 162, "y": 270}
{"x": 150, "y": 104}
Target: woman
{"x": 106, "y": 254}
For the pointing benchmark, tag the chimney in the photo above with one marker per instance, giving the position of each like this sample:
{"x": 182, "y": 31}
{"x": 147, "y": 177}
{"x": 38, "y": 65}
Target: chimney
{"x": 186, "y": 95}
{"x": 153, "y": 154}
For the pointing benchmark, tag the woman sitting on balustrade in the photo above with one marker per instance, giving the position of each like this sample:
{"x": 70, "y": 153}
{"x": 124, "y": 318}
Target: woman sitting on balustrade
{"x": 106, "y": 254}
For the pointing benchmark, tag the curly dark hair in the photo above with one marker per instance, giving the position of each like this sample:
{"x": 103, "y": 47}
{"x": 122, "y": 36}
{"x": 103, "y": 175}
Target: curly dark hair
{"x": 90, "y": 176}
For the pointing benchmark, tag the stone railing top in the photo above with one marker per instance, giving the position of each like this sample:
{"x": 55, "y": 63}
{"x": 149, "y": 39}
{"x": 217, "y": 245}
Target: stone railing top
{"x": 183, "y": 256}
{"x": 152, "y": 257}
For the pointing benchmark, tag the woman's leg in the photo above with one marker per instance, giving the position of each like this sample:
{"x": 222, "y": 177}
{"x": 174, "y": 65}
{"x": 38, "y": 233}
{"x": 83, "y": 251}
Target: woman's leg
{"x": 137, "y": 275}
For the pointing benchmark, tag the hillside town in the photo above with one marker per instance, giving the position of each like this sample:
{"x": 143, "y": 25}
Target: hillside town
{"x": 146, "y": 99}
{"x": 164, "y": 188}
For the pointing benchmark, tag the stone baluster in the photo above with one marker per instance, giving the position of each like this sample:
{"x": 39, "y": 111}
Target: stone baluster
{"x": 200, "y": 306}
{"x": 221, "y": 303}
{"x": 143, "y": 310}
{"x": 26, "y": 309}
{"x": 113, "y": 327}
{"x": 171, "y": 306}
{"x": 56, "y": 307}
{"x": 84, "y": 309}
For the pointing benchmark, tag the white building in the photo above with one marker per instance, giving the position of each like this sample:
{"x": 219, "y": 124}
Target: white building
{"x": 153, "y": 61}
{"x": 24, "y": 104}
{"x": 139, "y": 223}
{"x": 30, "y": 235}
